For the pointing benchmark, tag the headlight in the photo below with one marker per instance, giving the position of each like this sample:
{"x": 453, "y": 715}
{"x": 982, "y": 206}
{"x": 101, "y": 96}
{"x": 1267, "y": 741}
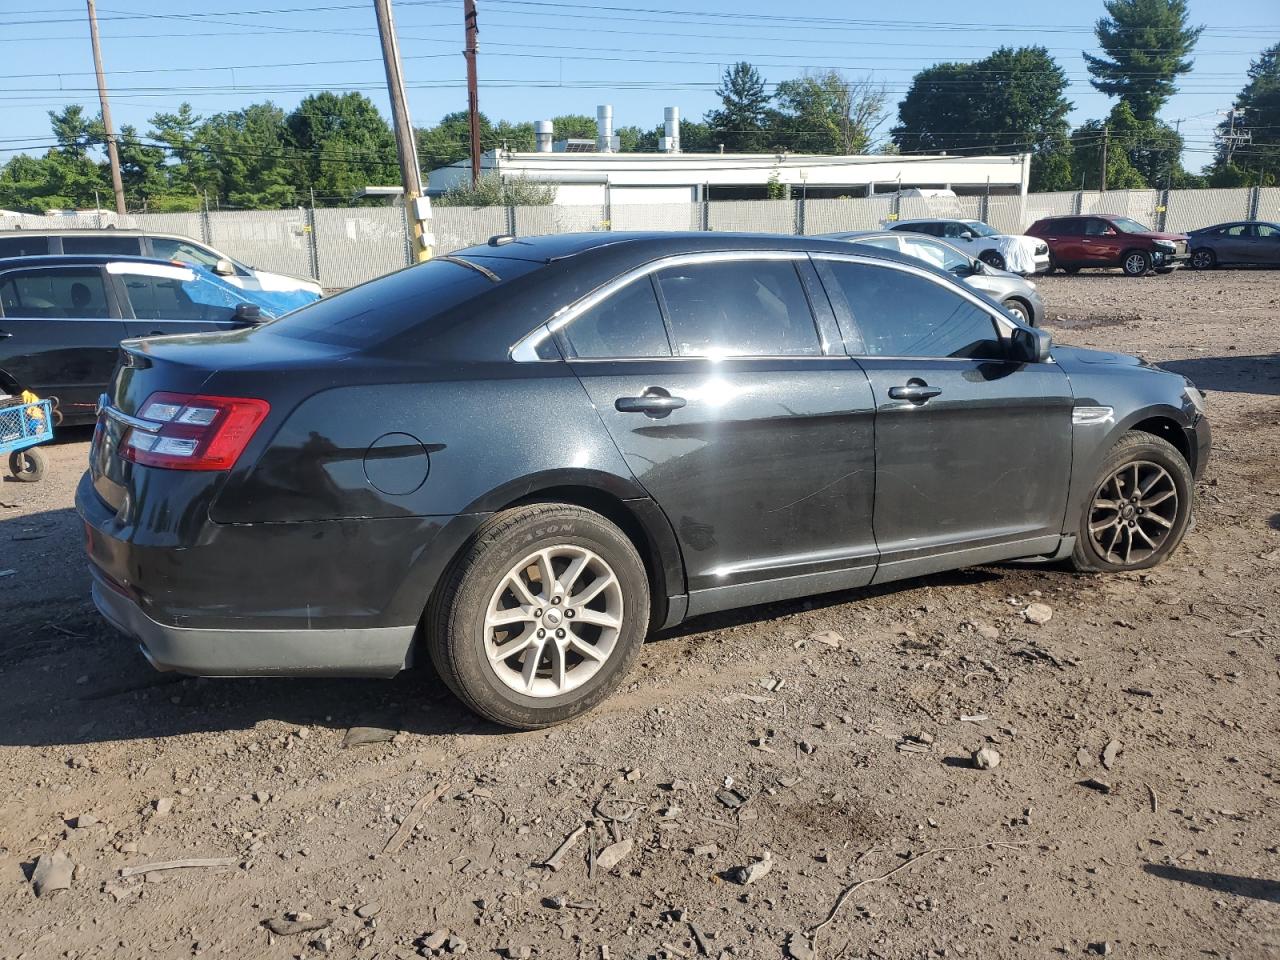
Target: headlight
{"x": 1196, "y": 398}
{"x": 1165, "y": 244}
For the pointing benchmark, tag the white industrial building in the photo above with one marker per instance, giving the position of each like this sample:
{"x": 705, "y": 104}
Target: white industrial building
{"x": 594, "y": 172}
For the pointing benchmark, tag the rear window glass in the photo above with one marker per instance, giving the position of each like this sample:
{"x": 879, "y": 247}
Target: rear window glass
{"x": 115, "y": 246}
{"x": 391, "y": 305}
{"x": 23, "y": 246}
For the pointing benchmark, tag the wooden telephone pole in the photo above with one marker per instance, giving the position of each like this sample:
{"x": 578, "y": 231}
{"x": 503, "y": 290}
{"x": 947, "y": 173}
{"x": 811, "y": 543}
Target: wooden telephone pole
{"x": 113, "y": 155}
{"x": 473, "y": 92}
{"x": 1102, "y": 174}
{"x": 405, "y": 147}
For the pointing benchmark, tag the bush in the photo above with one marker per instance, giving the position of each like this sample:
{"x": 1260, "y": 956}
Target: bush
{"x": 493, "y": 190}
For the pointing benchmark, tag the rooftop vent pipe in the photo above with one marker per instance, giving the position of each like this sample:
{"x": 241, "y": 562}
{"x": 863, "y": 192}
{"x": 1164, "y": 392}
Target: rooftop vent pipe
{"x": 604, "y": 128}
{"x": 543, "y": 134}
{"x": 670, "y": 143}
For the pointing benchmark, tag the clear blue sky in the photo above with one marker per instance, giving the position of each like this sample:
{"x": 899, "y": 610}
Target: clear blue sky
{"x": 538, "y": 59}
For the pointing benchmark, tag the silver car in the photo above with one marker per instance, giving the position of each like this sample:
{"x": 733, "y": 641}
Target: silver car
{"x": 1245, "y": 241}
{"x": 1017, "y": 294}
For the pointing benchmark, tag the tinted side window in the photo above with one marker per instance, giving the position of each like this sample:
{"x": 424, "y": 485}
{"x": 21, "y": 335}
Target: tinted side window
{"x": 901, "y": 314}
{"x": 1096, "y": 228}
{"x": 1067, "y": 227}
{"x": 743, "y": 308}
{"x": 628, "y": 323}
{"x": 62, "y": 293}
{"x": 116, "y": 246}
{"x": 941, "y": 255}
{"x": 1267, "y": 230}
{"x": 168, "y": 248}
{"x": 166, "y": 298}
{"x": 1238, "y": 230}
{"x": 954, "y": 230}
{"x": 20, "y": 246}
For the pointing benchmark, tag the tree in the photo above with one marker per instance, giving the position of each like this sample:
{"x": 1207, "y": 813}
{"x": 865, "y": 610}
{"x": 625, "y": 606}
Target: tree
{"x": 740, "y": 122}
{"x": 826, "y": 113}
{"x": 1148, "y": 45}
{"x": 74, "y": 131}
{"x": 450, "y": 140}
{"x": 250, "y": 165}
{"x": 575, "y": 126}
{"x": 695, "y": 137}
{"x": 1013, "y": 101}
{"x": 1120, "y": 130}
{"x": 1257, "y": 111}
{"x": 341, "y": 143}
{"x": 189, "y": 166}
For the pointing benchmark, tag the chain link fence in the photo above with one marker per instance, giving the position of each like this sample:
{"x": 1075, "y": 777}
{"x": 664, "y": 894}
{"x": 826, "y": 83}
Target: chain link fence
{"x": 343, "y": 246}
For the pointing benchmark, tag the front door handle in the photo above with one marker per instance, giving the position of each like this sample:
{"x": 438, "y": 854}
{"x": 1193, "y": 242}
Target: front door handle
{"x": 654, "y": 402}
{"x": 5, "y": 334}
{"x": 917, "y": 391}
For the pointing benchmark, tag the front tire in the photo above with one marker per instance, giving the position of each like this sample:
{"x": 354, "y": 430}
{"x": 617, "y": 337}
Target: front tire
{"x": 1140, "y": 507}
{"x": 1019, "y": 310}
{"x": 541, "y": 616}
{"x": 1137, "y": 263}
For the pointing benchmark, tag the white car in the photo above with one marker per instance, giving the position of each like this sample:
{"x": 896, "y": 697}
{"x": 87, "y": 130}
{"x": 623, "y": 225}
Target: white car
{"x": 1017, "y": 254}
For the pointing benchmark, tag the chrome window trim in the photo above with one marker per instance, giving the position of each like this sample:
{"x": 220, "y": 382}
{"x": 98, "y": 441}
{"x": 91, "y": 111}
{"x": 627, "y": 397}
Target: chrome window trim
{"x": 525, "y": 349}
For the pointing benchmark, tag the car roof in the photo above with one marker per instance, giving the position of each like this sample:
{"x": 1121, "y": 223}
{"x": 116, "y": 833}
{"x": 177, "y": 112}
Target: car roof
{"x": 645, "y": 246}
{"x": 937, "y": 220}
{"x": 79, "y": 260}
{"x": 95, "y": 232}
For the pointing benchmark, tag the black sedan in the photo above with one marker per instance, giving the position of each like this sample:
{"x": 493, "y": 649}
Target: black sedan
{"x": 521, "y": 458}
{"x": 1243, "y": 242}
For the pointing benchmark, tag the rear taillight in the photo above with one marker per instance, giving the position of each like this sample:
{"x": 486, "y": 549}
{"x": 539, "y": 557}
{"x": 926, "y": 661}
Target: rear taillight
{"x": 195, "y": 433}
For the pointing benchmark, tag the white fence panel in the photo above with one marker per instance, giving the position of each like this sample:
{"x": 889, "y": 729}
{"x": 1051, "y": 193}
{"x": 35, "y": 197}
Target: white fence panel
{"x": 752, "y": 216}
{"x": 536, "y": 221}
{"x": 458, "y": 227}
{"x": 837, "y": 216}
{"x": 275, "y": 240}
{"x": 655, "y": 216}
{"x": 1190, "y": 209}
{"x": 184, "y": 224}
{"x": 355, "y": 244}
{"x": 1040, "y": 205}
{"x": 1138, "y": 205}
{"x": 1269, "y": 204}
{"x": 1009, "y": 214}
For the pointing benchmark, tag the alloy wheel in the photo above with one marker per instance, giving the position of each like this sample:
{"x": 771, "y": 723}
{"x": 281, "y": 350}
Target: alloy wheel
{"x": 553, "y": 621}
{"x": 1202, "y": 259}
{"x": 1136, "y": 264}
{"x": 1133, "y": 513}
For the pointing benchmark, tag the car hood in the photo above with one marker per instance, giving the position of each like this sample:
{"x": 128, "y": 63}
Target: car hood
{"x": 1078, "y": 358}
{"x": 1153, "y": 235}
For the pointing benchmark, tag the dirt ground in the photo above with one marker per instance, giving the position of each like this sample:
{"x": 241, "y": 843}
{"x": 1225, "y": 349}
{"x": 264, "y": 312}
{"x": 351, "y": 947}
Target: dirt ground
{"x": 831, "y": 761}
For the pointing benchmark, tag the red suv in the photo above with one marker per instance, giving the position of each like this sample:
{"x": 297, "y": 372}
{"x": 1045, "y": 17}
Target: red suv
{"x": 1100, "y": 240}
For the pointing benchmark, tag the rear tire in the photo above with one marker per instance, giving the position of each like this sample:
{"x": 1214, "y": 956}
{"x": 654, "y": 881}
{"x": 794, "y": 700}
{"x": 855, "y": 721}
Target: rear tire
{"x": 1136, "y": 263}
{"x": 1203, "y": 259}
{"x": 1117, "y": 532}
{"x": 27, "y": 465}
{"x": 496, "y": 597}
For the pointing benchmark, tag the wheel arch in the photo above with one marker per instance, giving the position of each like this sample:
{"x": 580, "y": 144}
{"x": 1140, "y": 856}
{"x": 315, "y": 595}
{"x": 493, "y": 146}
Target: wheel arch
{"x": 9, "y": 384}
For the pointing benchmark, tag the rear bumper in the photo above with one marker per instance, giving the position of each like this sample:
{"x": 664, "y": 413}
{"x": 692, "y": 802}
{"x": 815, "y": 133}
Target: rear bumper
{"x": 213, "y": 652}
{"x": 339, "y": 597}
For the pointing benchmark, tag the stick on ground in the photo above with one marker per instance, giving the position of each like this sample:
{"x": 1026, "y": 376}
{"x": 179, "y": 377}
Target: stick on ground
{"x": 179, "y": 865}
{"x": 402, "y": 834}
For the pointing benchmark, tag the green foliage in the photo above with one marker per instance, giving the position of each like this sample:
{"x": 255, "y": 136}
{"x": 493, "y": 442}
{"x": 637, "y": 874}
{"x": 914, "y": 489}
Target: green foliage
{"x": 740, "y": 123}
{"x": 1148, "y": 45}
{"x": 826, "y": 113}
{"x": 1256, "y": 163}
{"x": 774, "y": 190}
{"x": 1010, "y": 102}
{"x": 340, "y": 143}
{"x": 575, "y": 126}
{"x": 493, "y": 190}
{"x": 1087, "y": 140}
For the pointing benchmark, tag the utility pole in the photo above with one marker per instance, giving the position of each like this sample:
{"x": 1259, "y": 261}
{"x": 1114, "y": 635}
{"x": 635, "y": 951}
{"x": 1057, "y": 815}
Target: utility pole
{"x": 113, "y": 155}
{"x": 473, "y": 92}
{"x": 408, "y": 152}
{"x": 1102, "y": 174}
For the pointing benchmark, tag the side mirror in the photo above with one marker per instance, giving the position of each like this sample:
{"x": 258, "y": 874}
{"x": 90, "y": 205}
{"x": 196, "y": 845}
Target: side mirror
{"x": 224, "y": 268}
{"x": 978, "y": 268}
{"x": 249, "y": 314}
{"x": 1031, "y": 345}
{"x": 966, "y": 234}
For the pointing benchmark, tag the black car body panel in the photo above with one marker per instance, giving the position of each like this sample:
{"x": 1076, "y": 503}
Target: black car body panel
{"x": 400, "y": 422}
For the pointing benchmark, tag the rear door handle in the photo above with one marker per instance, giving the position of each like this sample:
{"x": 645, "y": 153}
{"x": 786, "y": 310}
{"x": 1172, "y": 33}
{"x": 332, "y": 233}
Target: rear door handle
{"x": 654, "y": 402}
{"x": 917, "y": 392}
